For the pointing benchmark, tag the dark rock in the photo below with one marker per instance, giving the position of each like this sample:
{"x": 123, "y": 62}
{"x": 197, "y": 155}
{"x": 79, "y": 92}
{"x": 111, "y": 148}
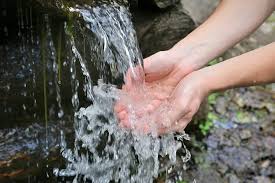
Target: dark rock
{"x": 206, "y": 175}
{"x": 238, "y": 159}
{"x": 245, "y": 134}
{"x": 232, "y": 178}
{"x": 244, "y": 150}
{"x": 63, "y": 5}
{"x": 222, "y": 168}
{"x": 160, "y": 31}
{"x": 266, "y": 168}
{"x": 165, "y": 3}
{"x": 262, "y": 179}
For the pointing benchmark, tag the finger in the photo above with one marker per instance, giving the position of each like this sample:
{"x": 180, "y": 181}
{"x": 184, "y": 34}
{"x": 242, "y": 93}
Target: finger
{"x": 173, "y": 115}
{"x": 142, "y": 128}
{"x": 122, "y": 115}
{"x": 119, "y": 107}
{"x": 180, "y": 126}
{"x": 134, "y": 76}
{"x": 125, "y": 124}
{"x": 153, "y": 69}
{"x": 177, "y": 127}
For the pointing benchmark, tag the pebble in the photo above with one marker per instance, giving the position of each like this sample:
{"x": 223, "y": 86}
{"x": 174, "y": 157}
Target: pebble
{"x": 245, "y": 134}
{"x": 262, "y": 179}
{"x": 265, "y": 164}
{"x": 232, "y": 178}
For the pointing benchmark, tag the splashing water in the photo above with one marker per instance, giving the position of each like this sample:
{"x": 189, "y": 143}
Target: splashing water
{"x": 102, "y": 150}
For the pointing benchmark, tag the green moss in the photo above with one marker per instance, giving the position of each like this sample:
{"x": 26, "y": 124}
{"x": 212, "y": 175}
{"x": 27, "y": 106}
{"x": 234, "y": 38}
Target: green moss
{"x": 213, "y": 62}
{"x": 243, "y": 117}
{"x": 212, "y": 98}
{"x": 208, "y": 124}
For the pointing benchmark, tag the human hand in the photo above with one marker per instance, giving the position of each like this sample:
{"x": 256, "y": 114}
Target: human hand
{"x": 162, "y": 110}
{"x": 138, "y": 100}
{"x": 166, "y": 67}
{"x": 174, "y": 114}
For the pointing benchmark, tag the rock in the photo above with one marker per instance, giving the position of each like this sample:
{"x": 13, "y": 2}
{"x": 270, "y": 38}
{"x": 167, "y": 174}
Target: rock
{"x": 232, "y": 178}
{"x": 222, "y": 105}
{"x": 262, "y": 179}
{"x": 222, "y": 168}
{"x": 245, "y": 134}
{"x": 238, "y": 159}
{"x": 269, "y": 144}
{"x": 62, "y": 5}
{"x": 208, "y": 175}
{"x": 199, "y": 10}
{"x": 165, "y": 3}
{"x": 266, "y": 168}
{"x": 265, "y": 164}
{"x": 161, "y": 30}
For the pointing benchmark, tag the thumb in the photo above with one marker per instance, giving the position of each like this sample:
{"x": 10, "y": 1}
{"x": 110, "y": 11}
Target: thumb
{"x": 157, "y": 66}
{"x": 168, "y": 113}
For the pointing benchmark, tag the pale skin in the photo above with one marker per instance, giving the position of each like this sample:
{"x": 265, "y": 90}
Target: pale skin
{"x": 180, "y": 74}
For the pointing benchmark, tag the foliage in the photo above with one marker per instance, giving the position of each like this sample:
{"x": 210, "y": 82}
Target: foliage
{"x": 213, "y": 62}
{"x": 207, "y": 125}
{"x": 212, "y": 98}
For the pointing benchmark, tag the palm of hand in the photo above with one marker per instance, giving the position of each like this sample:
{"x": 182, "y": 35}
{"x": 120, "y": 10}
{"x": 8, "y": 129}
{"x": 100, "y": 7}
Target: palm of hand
{"x": 137, "y": 104}
{"x": 143, "y": 104}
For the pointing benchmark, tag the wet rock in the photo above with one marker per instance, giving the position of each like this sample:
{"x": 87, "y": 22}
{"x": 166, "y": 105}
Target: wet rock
{"x": 63, "y": 5}
{"x": 269, "y": 144}
{"x": 165, "y": 3}
{"x": 262, "y": 179}
{"x": 266, "y": 168}
{"x": 199, "y": 10}
{"x": 222, "y": 167}
{"x": 27, "y": 151}
{"x": 245, "y": 134}
{"x": 265, "y": 164}
{"x": 203, "y": 175}
{"x": 232, "y": 178}
{"x": 238, "y": 159}
{"x": 159, "y": 31}
{"x": 222, "y": 103}
{"x": 242, "y": 150}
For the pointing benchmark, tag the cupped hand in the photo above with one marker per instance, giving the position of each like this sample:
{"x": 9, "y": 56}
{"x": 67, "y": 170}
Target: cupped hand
{"x": 174, "y": 114}
{"x": 142, "y": 103}
{"x": 166, "y": 68}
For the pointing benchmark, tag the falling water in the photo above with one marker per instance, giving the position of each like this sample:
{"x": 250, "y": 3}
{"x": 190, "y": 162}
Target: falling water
{"x": 102, "y": 150}
{"x": 79, "y": 69}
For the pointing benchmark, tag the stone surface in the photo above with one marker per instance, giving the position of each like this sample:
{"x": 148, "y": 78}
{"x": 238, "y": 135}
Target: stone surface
{"x": 232, "y": 178}
{"x": 199, "y": 10}
{"x": 160, "y": 31}
{"x": 245, "y": 134}
{"x": 165, "y": 3}
{"x": 262, "y": 179}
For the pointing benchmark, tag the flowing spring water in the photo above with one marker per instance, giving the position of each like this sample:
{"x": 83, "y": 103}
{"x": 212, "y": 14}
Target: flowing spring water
{"x": 45, "y": 73}
{"x": 102, "y": 150}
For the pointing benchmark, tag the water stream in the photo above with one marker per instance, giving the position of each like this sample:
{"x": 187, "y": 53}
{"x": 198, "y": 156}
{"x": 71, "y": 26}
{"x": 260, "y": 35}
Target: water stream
{"x": 73, "y": 71}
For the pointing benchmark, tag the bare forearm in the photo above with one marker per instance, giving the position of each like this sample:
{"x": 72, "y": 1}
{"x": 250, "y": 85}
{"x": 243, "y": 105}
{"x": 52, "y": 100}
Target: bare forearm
{"x": 231, "y": 22}
{"x": 253, "y": 68}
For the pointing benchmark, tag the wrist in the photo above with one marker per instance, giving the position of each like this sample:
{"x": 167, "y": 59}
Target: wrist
{"x": 181, "y": 60}
{"x": 193, "y": 55}
{"x": 203, "y": 80}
